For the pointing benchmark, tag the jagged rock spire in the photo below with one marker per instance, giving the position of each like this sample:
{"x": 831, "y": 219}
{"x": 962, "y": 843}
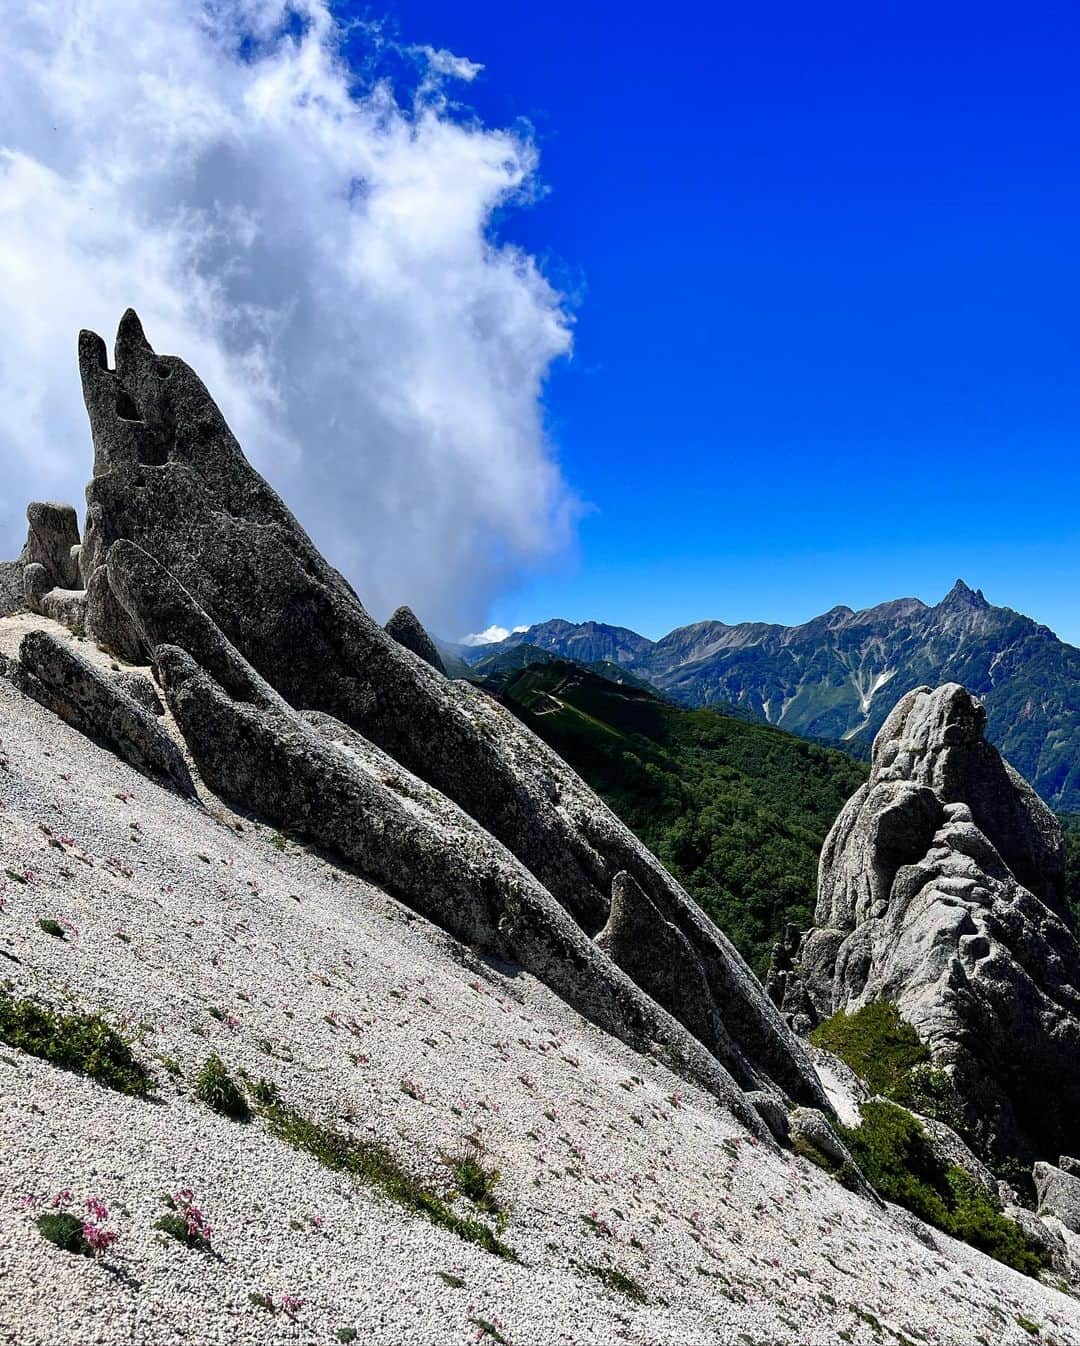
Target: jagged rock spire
{"x": 941, "y": 890}
{"x": 173, "y": 493}
{"x": 406, "y": 629}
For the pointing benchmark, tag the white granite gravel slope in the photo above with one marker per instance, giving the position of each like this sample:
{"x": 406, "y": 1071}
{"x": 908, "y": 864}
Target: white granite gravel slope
{"x": 201, "y": 934}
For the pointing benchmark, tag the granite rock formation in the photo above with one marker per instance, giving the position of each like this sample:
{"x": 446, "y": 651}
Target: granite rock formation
{"x": 941, "y": 890}
{"x": 186, "y": 546}
{"x": 1058, "y": 1192}
{"x": 406, "y": 629}
{"x": 45, "y": 578}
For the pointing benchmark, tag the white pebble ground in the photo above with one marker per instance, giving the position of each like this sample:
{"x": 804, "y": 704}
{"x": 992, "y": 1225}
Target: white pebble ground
{"x": 198, "y": 932}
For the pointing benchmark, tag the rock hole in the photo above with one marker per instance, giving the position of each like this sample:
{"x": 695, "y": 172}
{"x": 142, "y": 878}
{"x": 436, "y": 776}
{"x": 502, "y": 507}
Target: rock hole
{"x": 164, "y": 371}
{"x": 125, "y": 406}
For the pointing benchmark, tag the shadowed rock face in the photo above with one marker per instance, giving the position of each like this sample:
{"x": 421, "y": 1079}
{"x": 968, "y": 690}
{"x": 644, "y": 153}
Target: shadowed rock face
{"x": 234, "y": 571}
{"x": 405, "y": 627}
{"x": 941, "y": 890}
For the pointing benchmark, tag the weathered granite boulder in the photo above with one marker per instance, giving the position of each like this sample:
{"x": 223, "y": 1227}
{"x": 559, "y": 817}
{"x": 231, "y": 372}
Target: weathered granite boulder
{"x": 62, "y": 681}
{"x": 107, "y": 621}
{"x": 665, "y": 963}
{"x": 952, "y": 1151}
{"x": 940, "y": 890}
{"x": 1059, "y": 1195}
{"x": 140, "y": 689}
{"x": 66, "y": 606}
{"x": 812, "y": 1135}
{"x": 316, "y": 776}
{"x": 772, "y": 1112}
{"x": 12, "y": 591}
{"x": 170, "y": 478}
{"x": 36, "y": 584}
{"x": 51, "y": 542}
{"x": 1048, "y": 1236}
{"x": 405, "y": 628}
{"x": 48, "y": 567}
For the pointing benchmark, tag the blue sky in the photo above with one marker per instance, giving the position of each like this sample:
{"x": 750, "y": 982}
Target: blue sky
{"x": 825, "y": 260}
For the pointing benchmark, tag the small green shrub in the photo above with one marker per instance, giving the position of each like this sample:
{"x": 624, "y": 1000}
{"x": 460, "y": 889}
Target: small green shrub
{"x": 215, "y": 1087}
{"x": 879, "y": 1046}
{"x": 892, "y": 1149}
{"x": 262, "y": 1301}
{"x": 374, "y": 1164}
{"x": 82, "y": 1043}
{"x": 174, "y": 1224}
{"x": 977, "y": 1220}
{"x": 486, "y": 1329}
{"x": 52, "y": 927}
{"x": 65, "y": 1231}
{"x": 347, "y": 1334}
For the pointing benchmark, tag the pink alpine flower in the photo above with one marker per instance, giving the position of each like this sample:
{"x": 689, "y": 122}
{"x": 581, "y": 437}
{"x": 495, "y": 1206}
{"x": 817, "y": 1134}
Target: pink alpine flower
{"x": 100, "y": 1240}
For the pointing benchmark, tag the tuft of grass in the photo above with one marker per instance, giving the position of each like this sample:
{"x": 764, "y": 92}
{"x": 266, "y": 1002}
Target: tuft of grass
{"x": 454, "y": 1282}
{"x": 1032, "y": 1329}
{"x": 347, "y": 1334}
{"x": 65, "y": 1231}
{"x": 52, "y": 927}
{"x": 261, "y": 1301}
{"x": 473, "y": 1180}
{"x": 373, "y": 1164}
{"x": 264, "y": 1092}
{"x": 615, "y": 1279}
{"x": 82, "y": 1043}
{"x": 215, "y": 1087}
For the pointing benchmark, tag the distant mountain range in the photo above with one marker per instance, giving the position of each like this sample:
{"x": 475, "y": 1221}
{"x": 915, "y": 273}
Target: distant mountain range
{"x": 838, "y": 676}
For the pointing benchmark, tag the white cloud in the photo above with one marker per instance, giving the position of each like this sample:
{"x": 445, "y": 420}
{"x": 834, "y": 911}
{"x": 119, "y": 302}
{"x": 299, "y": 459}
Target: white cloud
{"x": 486, "y": 637}
{"x": 491, "y": 634}
{"x": 444, "y": 62}
{"x": 320, "y": 254}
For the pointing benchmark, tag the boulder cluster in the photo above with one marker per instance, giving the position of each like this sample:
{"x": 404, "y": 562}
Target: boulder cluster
{"x": 297, "y": 707}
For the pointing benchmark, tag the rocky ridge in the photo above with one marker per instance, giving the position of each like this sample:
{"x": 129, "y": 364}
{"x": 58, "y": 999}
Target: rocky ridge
{"x": 837, "y": 676}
